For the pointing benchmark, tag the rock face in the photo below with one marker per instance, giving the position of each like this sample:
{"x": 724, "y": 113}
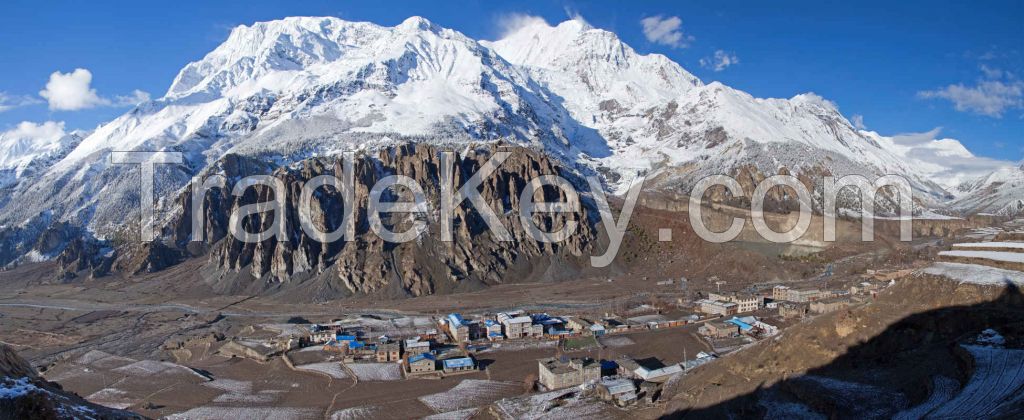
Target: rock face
{"x": 366, "y": 263}
{"x": 24, "y": 395}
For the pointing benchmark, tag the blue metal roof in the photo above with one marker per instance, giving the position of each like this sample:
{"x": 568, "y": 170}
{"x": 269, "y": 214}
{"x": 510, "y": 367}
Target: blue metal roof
{"x": 458, "y": 362}
{"x": 743, "y": 325}
{"x": 421, "y": 356}
{"x": 455, "y": 319}
{"x": 346, "y": 338}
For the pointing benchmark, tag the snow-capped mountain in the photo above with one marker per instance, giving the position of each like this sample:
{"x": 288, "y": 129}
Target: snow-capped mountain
{"x": 1000, "y": 193}
{"x": 30, "y": 147}
{"x": 657, "y": 117}
{"x": 298, "y": 87}
{"x": 337, "y": 77}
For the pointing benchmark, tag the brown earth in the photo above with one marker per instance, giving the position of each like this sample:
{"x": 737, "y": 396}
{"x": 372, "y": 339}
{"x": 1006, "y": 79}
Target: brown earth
{"x": 897, "y": 343}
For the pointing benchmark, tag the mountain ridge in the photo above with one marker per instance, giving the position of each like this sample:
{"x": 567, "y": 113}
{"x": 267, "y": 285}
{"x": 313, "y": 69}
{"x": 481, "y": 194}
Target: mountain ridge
{"x": 303, "y": 87}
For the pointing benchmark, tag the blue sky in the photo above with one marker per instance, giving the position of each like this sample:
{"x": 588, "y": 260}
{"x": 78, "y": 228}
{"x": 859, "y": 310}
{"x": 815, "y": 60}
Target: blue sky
{"x": 904, "y": 67}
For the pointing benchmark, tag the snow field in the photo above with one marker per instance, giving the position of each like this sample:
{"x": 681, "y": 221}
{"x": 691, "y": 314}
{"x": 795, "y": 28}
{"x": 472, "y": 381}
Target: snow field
{"x": 263, "y": 413}
{"x": 470, "y": 393}
{"x": 976, "y": 274}
{"x": 997, "y": 383}
{"x": 376, "y": 371}
{"x": 332, "y": 369}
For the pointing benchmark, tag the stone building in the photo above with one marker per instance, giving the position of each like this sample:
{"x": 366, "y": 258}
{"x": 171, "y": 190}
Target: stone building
{"x": 560, "y": 373}
{"x": 388, "y": 352}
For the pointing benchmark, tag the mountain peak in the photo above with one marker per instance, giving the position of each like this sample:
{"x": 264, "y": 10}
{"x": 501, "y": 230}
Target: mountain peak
{"x": 416, "y": 23}
{"x": 576, "y": 24}
{"x": 297, "y": 44}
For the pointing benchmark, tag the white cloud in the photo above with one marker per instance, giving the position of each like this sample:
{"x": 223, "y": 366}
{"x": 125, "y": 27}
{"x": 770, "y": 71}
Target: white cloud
{"x": 666, "y": 31}
{"x": 858, "y": 122}
{"x": 993, "y": 94}
{"x": 9, "y": 102}
{"x": 19, "y": 145}
{"x": 73, "y": 91}
{"x": 574, "y": 14}
{"x": 47, "y": 131}
{"x": 137, "y": 97}
{"x": 946, "y": 160}
{"x": 720, "y": 61}
{"x": 512, "y": 22}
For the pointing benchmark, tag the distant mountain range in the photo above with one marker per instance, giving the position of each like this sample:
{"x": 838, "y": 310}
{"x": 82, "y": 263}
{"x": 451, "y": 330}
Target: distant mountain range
{"x": 311, "y": 87}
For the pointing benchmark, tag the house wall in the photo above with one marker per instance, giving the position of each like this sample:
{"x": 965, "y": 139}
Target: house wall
{"x": 422, "y": 366}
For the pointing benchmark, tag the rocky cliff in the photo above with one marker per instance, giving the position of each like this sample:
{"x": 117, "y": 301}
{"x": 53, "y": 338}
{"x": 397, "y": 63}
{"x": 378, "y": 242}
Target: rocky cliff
{"x": 296, "y": 263}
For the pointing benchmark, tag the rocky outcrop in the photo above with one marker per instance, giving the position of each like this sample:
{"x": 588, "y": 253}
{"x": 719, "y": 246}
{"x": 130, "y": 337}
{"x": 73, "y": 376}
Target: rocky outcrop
{"x": 367, "y": 263}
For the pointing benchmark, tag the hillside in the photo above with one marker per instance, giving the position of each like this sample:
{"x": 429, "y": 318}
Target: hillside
{"x": 24, "y": 395}
{"x": 924, "y": 344}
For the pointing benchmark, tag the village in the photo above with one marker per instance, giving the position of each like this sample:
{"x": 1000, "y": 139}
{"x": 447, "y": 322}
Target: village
{"x": 628, "y": 356}
{"x": 582, "y": 358}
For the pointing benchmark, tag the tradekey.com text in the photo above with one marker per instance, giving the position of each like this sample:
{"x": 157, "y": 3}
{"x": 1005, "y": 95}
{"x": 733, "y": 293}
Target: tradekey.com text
{"x": 453, "y": 196}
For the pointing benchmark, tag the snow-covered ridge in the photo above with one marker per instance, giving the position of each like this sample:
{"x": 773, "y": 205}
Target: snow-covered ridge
{"x": 1000, "y": 193}
{"x": 29, "y": 146}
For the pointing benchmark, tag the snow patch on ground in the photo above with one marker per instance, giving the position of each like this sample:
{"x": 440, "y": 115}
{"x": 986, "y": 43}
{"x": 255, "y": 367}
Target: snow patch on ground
{"x": 976, "y": 274}
{"x": 356, "y": 413}
{"x": 943, "y": 389}
{"x": 236, "y": 391}
{"x": 454, "y": 415}
{"x": 113, "y": 398}
{"x": 103, "y": 360}
{"x": 995, "y": 386}
{"x": 230, "y": 385}
{"x": 520, "y": 345}
{"x": 287, "y": 330}
{"x": 263, "y": 413}
{"x": 15, "y": 388}
{"x": 470, "y": 393}
{"x": 332, "y": 369}
{"x": 618, "y": 341}
{"x": 153, "y": 367}
{"x": 1014, "y": 257}
{"x": 866, "y": 400}
{"x": 1007, "y": 245}
{"x": 376, "y": 371}
{"x": 990, "y": 338}
{"x": 561, "y": 404}
{"x": 777, "y": 409}
{"x": 262, "y": 397}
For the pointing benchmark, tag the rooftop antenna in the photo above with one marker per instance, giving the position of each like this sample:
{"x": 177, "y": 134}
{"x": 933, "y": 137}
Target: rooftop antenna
{"x": 719, "y": 284}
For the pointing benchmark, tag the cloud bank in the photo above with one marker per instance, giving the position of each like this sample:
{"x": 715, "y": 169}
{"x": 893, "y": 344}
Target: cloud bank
{"x": 995, "y": 93}
{"x": 9, "y": 102}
